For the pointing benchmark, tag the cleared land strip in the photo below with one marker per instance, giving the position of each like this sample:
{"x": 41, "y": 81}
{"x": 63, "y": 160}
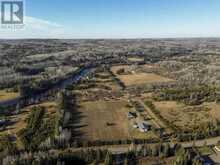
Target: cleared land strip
{"x": 197, "y": 143}
{"x": 158, "y": 123}
{"x": 124, "y": 148}
{"x": 200, "y": 143}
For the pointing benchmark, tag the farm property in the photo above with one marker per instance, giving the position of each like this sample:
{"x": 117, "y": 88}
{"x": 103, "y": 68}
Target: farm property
{"x": 138, "y": 78}
{"x": 185, "y": 116}
{"x": 96, "y": 115}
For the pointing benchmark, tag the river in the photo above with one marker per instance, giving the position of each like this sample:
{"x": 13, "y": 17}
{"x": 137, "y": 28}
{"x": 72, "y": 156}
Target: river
{"x": 25, "y": 100}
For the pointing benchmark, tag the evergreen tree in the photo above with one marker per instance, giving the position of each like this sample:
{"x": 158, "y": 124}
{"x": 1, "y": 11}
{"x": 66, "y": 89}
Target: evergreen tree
{"x": 98, "y": 155}
{"x": 183, "y": 157}
{"x": 108, "y": 159}
{"x": 154, "y": 150}
{"x": 95, "y": 162}
{"x": 196, "y": 161}
{"x": 126, "y": 161}
{"x": 166, "y": 150}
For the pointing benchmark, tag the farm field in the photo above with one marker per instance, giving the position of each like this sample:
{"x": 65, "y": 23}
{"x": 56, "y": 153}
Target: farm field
{"x": 188, "y": 116}
{"x": 105, "y": 118}
{"x": 142, "y": 78}
{"x": 152, "y": 101}
{"x": 135, "y": 59}
{"x": 139, "y": 78}
{"x": 96, "y": 115}
{"x": 7, "y": 95}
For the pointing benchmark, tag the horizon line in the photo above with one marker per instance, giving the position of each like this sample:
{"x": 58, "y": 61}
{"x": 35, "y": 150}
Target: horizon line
{"x": 129, "y": 38}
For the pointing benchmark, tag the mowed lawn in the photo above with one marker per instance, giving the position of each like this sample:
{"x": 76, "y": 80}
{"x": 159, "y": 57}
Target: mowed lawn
{"x": 97, "y": 114}
{"x": 7, "y": 95}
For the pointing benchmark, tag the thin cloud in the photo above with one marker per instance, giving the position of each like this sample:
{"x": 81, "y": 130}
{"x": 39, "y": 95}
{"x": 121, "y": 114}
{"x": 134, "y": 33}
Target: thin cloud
{"x": 40, "y": 23}
{"x": 35, "y": 28}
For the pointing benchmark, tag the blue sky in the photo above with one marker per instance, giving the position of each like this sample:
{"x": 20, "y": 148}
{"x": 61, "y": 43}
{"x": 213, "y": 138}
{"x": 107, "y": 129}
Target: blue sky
{"x": 120, "y": 19}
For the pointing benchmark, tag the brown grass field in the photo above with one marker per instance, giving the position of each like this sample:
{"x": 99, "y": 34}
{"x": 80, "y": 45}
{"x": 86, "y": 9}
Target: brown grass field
{"x": 142, "y": 78}
{"x": 96, "y": 115}
{"x": 6, "y": 95}
{"x": 135, "y": 59}
{"x": 188, "y": 116}
{"x": 138, "y": 78}
{"x": 95, "y": 118}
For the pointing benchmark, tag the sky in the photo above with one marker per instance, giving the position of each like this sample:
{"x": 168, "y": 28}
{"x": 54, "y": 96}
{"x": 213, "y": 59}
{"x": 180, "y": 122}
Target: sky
{"x": 118, "y": 19}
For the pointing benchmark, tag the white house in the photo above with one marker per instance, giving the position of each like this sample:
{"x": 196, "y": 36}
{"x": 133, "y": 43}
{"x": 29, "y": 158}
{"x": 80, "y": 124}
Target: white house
{"x": 144, "y": 126}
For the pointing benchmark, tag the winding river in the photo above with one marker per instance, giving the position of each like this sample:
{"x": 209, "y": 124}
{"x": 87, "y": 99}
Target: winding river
{"x": 27, "y": 100}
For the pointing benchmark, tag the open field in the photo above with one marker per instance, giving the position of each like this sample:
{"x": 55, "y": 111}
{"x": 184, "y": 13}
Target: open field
{"x": 188, "y": 116}
{"x": 138, "y": 78}
{"x": 144, "y": 67}
{"x": 135, "y": 59}
{"x": 214, "y": 109}
{"x": 97, "y": 114}
{"x": 142, "y": 78}
{"x": 7, "y": 94}
{"x": 105, "y": 118}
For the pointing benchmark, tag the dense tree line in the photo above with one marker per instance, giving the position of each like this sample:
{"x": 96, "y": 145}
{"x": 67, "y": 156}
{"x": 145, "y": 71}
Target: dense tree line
{"x": 193, "y": 95}
{"x": 37, "y": 129}
{"x": 54, "y": 143}
{"x": 187, "y": 157}
{"x": 201, "y": 131}
{"x": 7, "y": 147}
{"x": 94, "y": 156}
{"x": 117, "y": 80}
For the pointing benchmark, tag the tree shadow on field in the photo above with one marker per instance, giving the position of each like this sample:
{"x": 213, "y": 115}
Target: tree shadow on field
{"x": 8, "y": 125}
{"x": 75, "y": 124}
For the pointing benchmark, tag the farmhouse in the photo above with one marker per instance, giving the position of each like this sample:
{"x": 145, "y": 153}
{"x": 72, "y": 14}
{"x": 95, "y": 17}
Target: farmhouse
{"x": 144, "y": 126}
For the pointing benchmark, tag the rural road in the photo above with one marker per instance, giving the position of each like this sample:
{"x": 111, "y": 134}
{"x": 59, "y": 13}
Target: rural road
{"x": 117, "y": 149}
{"x": 198, "y": 143}
{"x": 156, "y": 121}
